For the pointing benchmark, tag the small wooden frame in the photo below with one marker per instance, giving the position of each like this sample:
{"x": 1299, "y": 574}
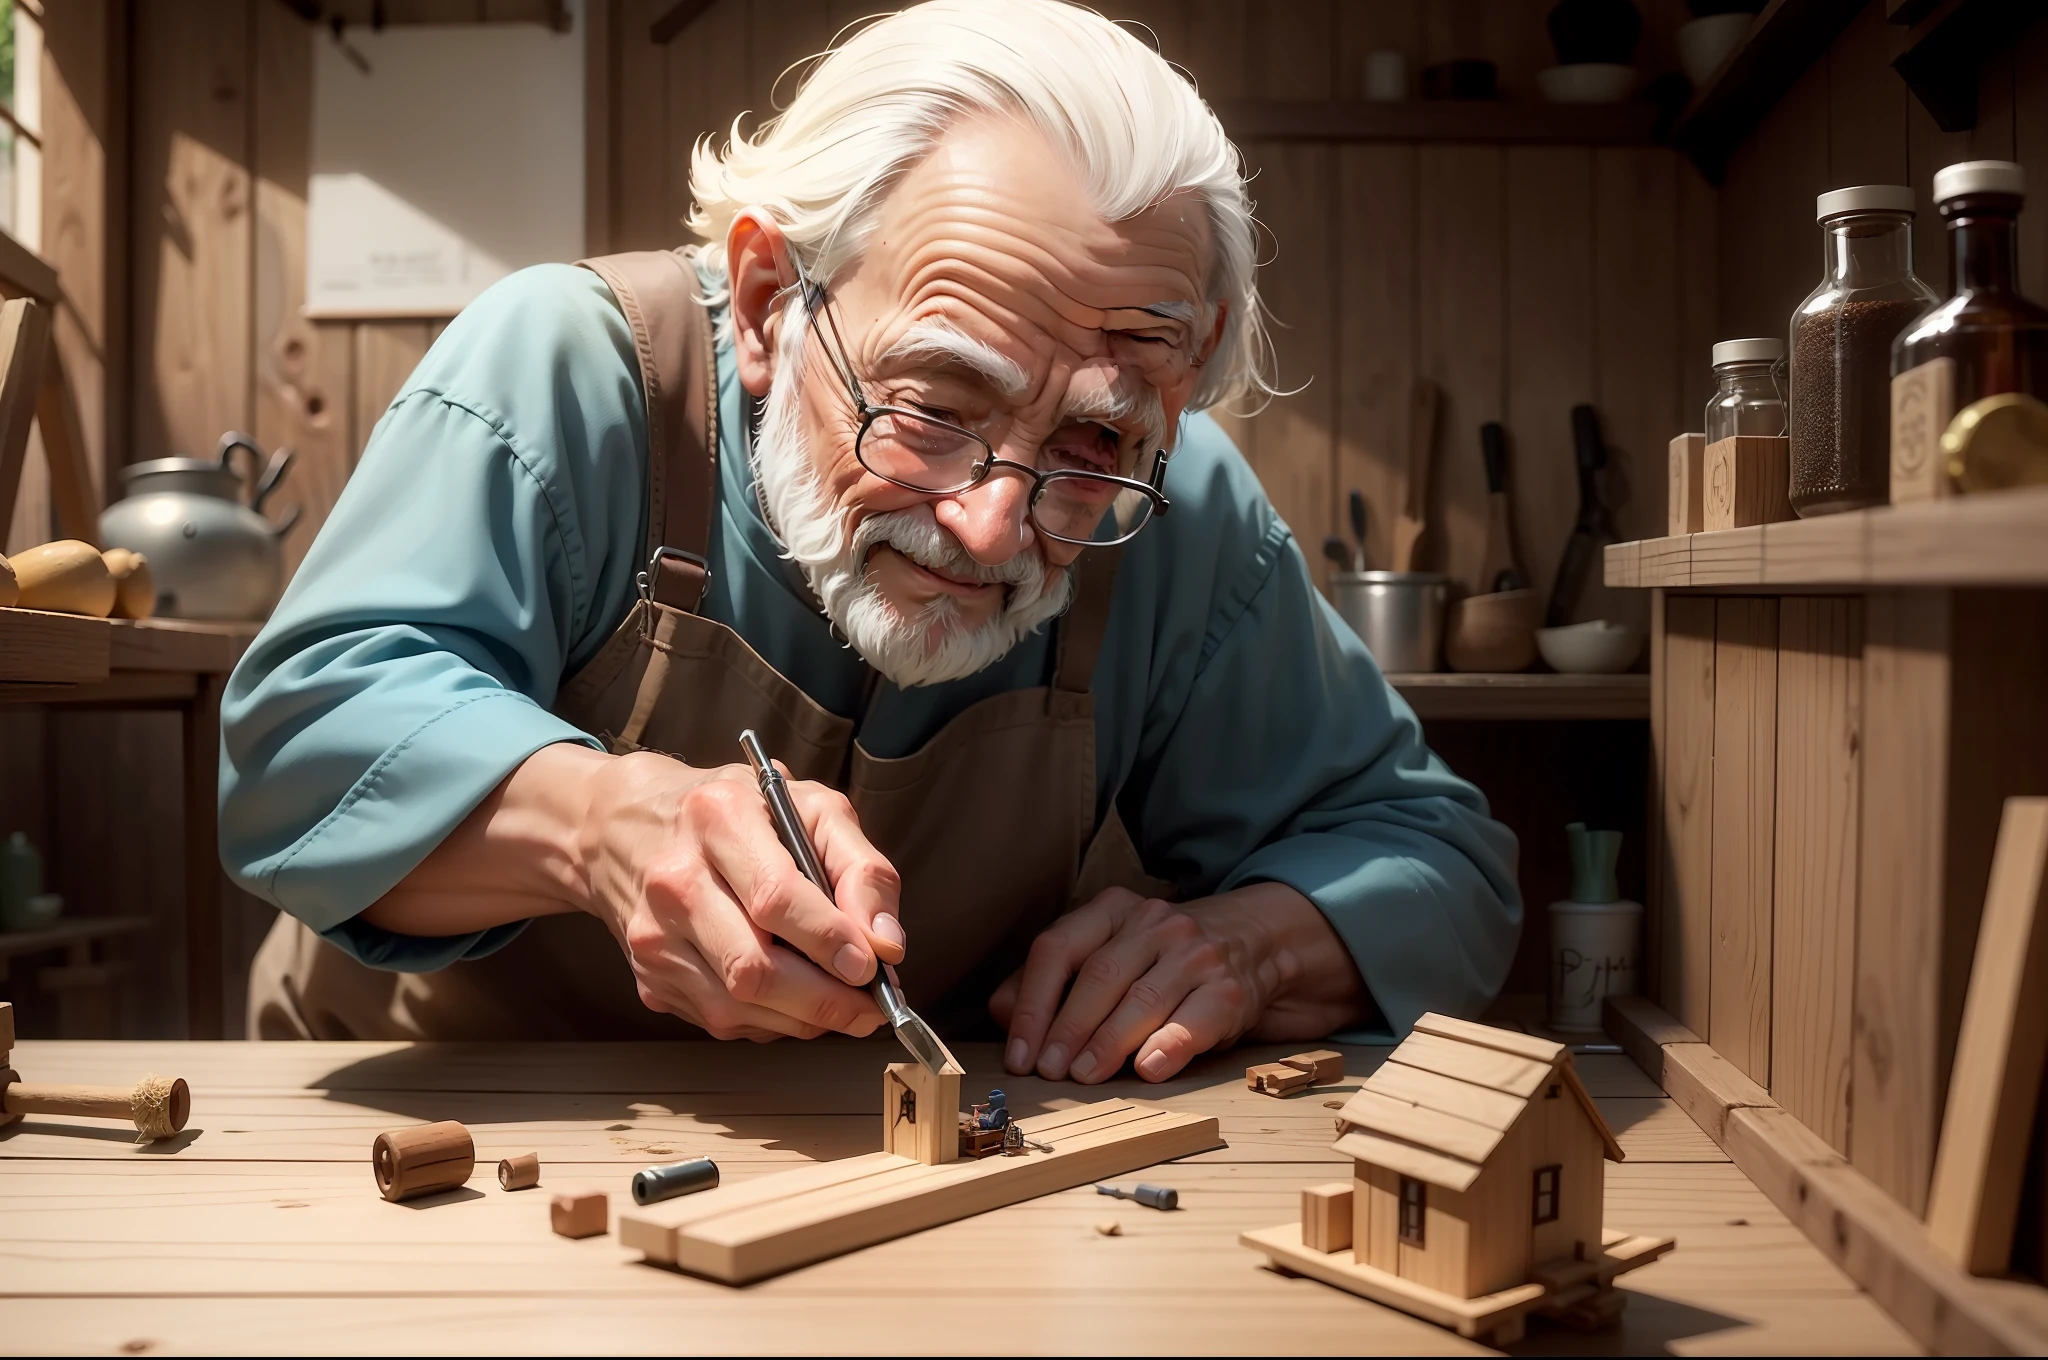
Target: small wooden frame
{"x": 921, "y": 1112}
{"x": 1748, "y": 482}
{"x": 1576, "y": 1292}
{"x": 762, "y": 1227}
{"x": 1684, "y": 504}
{"x": 1923, "y": 403}
{"x": 1975, "y": 1198}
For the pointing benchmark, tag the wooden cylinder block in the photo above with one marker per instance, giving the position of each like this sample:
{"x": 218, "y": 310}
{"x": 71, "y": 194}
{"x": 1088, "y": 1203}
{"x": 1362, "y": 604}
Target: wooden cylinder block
{"x": 519, "y": 1173}
{"x": 422, "y": 1160}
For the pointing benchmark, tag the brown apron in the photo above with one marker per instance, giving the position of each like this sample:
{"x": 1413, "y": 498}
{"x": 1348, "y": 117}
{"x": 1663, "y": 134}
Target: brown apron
{"x": 987, "y": 823}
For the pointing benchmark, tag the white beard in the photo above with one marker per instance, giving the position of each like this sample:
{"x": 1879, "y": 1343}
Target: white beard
{"x": 933, "y": 644}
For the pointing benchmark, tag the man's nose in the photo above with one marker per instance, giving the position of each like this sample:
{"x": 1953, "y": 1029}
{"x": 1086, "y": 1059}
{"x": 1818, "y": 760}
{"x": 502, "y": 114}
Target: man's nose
{"x": 992, "y": 520}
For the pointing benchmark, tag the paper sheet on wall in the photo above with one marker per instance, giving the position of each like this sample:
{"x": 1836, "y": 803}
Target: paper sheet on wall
{"x": 454, "y": 160}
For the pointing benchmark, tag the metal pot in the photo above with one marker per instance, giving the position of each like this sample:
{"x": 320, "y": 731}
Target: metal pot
{"x": 212, "y": 556}
{"x": 1398, "y": 614}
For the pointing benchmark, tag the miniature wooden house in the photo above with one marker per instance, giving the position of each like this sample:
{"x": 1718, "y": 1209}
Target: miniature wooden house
{"x": 1479, "y": 1158}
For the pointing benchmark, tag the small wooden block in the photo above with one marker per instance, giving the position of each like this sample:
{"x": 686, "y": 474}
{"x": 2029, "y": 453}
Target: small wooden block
{"x": 1748, "y": 482}
{"x": 1326, "y": 1216}
{"x": 1923, "y": 403}
{"x": 519, "y": 1173}
{"x": 582, "y": 1215}
{"x": 921, "y": 1113}
{"x": 1276, "y": 1079}
{"x": 1684, "y": 505}
{"x": 6, "y": 1029}
{"x": 1324, "y": 1065}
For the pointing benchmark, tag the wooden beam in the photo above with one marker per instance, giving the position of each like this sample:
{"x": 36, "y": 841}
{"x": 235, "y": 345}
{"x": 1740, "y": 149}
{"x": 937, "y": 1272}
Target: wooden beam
{"x": 24, "y": 341}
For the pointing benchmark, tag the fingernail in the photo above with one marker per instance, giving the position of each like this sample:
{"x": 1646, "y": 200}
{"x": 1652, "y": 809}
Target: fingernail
{"x": 1015, "y": 1054}
{"x": 886, "y": 927}
{"x": 1083, "y": 1066}
{"x": 1053, "y": 1062}
{"x": 850, "y": 962}
{"x": 1153, "y": 1065}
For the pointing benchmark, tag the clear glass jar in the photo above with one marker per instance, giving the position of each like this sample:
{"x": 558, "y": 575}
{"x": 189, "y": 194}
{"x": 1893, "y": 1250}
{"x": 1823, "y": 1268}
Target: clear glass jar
{"x": 1749, "y": 398}
{"x": 1841, "y": 350}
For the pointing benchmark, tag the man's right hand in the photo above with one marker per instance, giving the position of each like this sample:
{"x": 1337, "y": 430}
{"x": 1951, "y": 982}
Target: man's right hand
{"x": 684, "y": 866}
{"x": 719, "y": 924}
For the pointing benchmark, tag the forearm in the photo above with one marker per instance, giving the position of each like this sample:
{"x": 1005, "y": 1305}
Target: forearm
{"x": 1304, "y": 978}
{"x": 515, "y": 856}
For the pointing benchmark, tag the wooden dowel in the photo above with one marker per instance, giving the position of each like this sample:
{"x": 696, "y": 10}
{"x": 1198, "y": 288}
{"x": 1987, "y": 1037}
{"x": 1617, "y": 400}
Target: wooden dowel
{"x": 157, "y": 1108}
{"x": 422, "y": 1159}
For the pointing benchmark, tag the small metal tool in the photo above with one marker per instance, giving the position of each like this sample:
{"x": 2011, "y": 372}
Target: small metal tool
{"x": 1151, "y": 1196}
{"x": 658, "y": 1183}
{"x": 915, "y": 1034}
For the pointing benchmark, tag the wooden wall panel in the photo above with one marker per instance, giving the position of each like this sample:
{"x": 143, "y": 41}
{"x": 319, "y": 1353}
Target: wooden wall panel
{"x": 1866, "y": 104}
{"x": 1377, "y": 318}
{"x": 1744, "y": 831}
{"x": 1819, "y": 800}
{"x": 1770, "y": 248}
{"x": 1686, "y": 880}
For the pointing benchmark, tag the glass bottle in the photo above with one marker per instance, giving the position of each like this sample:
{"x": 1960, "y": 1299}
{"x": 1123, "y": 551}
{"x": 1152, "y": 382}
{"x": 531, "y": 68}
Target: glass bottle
{"x": 1998, "y": 339}
{"x": 1748, "y": 398}
{"x": 1840, "y": 370}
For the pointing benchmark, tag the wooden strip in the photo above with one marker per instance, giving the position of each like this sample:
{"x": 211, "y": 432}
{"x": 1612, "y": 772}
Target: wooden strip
{"x": 1494, "y": 1109}
{"x": 781, "y": 1236}
{"x": 1375, "y": 333}
{"x": 1702, "y": 1082}
{"x": 1819, "y": 805}
{"x": 1687, "y": 809}
{"x": 1409, "y": 1160}
{"x": 1528, "y": 1046}
{"x": 1818, "y": 551}
{"x": 54, "y": 649}
{"x": 1975, "y": 1198}
{"x": 1729, "y": 557}
{"x": 1482, "y": 1067}
{"x": 1745, "y": 786}
{"x": 1433, "y": 1129}
{"x": 24, "y": 345}
{"x": 1664, "y": 562}
{"x": 71, "y": 487}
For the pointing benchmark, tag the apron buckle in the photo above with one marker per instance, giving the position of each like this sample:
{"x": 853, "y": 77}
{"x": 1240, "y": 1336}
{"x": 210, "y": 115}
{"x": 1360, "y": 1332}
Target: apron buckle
{"x": 649, "y": 580}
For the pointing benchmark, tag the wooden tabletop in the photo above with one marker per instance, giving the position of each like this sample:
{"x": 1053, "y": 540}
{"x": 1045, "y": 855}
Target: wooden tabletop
{"x": 259, "y": 1229}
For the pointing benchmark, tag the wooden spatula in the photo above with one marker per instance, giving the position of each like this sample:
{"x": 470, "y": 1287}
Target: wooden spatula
{"x": 1413, "y": 519}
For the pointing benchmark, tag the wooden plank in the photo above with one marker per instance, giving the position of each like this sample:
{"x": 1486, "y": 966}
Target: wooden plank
{"x": 193, "y": 242}
{"x": 1687, "y": 811}
{"x": 205, "y": 1002}
{"x": 1427, "y": 1128}
{"x": 1421, "y": 1164}
{"x": 773, "y": 1236}
{"x": 55, "y": 649}
{"x": 1522, "y": 1045}
{"x": 643, "y": 163}
{"x": 1728, "y": 557}
{"x": 1685, "y": 486}
{"x": 1482, "y": 1067}
{"x": 72, "y": 494}
{"x": 177, "y": 644}
{"x": 1376, "y": 327}
{"x": 1895, "y": 1071}
{"x": 1494, "y": 1109}
{"x": 1819, "y": 805}
{"x": 386, "y": 354}
{"x": 1550, "y": 355}
{"x": 1452, "y": 696}
{"x": 708, "y": 82}
{"x": 1699, "y": 1080}
{"x": 1462, "y": 342}
{"x": 1975, "y": 1197}
{"x": 1664, "y": 562}
{"x": 1745, "y": 810}
{"x": 1816, "y": 551}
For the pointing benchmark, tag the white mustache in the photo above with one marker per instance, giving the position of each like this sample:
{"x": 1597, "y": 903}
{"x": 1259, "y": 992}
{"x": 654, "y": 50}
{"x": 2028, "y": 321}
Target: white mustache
{"x": 916, "y": 535}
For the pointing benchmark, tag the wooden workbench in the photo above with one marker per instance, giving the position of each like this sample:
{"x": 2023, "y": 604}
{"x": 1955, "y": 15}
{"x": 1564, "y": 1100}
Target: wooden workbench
{"x": 259, "y": 1229}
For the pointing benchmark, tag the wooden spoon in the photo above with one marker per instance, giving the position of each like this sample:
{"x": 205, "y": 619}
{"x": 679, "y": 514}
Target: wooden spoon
{"x": 1413, "y": 519}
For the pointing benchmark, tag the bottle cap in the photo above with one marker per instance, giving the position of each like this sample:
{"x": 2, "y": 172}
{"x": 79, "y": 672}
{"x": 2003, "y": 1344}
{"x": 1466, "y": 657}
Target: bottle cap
{"x": 1863, "y": 198}
{"x": 1979, "y": 177}
{"x": 1759, "y": 349}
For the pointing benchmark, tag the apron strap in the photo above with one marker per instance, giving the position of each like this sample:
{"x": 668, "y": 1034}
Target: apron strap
{"x": 1086, "y": 620}
{"x": 657, "y": 290}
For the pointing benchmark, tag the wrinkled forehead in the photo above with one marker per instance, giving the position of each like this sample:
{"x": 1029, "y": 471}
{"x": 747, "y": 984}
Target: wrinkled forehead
{"x": 993, "y": 232}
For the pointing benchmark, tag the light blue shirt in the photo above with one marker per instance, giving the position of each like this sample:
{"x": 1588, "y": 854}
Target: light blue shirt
{"x": 486, "y": 547}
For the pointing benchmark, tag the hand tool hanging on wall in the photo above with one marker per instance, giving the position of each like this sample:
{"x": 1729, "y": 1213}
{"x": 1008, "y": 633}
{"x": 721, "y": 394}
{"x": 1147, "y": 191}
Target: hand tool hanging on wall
{"x": 1594, "y": 529}
{"x": 1499, "y": 572}
{"x": 1414, "y": 517}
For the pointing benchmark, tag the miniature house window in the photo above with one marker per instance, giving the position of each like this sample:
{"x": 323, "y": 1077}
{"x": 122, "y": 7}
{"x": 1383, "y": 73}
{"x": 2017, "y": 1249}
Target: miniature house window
{"x": 1414, "y": 1209}
{"x": 1545, "y": 1207}
{"x": 1551, "y": 1094}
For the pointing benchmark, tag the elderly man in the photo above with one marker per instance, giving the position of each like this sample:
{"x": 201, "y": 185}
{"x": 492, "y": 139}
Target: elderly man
{"x": 901, "y": 468}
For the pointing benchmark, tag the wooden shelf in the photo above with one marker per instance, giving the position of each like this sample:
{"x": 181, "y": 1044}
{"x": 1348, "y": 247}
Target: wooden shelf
{"x": 1447, "y": 696}
{"x": 1451, "y": 120}
{"x": 68, "y": 932}
{"x": 69, "y": 649}
{"x": 1998, "y": 539}
{"x": 1946, "y": 48}
{"x": 1787, "y": 37}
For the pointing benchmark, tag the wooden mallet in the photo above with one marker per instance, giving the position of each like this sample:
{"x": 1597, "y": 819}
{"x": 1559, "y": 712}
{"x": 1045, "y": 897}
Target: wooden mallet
{"x": 158, "y": 1107}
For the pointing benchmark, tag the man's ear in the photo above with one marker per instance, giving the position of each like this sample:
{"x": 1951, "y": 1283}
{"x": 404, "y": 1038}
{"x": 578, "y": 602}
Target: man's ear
{"x": 1215, "y": 336}
{"x": 756, "y": 261}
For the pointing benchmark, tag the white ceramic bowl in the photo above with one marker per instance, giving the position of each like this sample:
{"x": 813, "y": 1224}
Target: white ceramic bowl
{"x": 1586, "y": 82}
{"x": 1601, "y": 647}
{"x": 1705, "y": 43}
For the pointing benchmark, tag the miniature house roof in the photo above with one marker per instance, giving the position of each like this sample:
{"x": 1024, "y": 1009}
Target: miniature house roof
{"x": 1442, "y": 1101}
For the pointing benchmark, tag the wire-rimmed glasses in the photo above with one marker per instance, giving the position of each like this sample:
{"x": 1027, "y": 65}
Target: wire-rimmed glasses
{"x": 920, "y": 452}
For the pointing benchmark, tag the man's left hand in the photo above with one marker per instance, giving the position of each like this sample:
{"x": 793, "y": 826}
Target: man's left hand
{"x": 1166, "y": 983}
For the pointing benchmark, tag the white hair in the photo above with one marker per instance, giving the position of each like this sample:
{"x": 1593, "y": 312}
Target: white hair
{"x": 931, "y": 645}
{"x": 873, "y": 107}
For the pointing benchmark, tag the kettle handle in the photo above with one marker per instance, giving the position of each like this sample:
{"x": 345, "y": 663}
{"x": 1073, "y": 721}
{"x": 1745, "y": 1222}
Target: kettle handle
{"x": 235, "y": 439}
{"x": 273, "y": 473}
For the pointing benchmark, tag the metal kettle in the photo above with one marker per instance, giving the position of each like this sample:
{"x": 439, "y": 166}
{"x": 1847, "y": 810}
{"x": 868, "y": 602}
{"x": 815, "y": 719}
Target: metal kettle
{"x": 212, "y": 556}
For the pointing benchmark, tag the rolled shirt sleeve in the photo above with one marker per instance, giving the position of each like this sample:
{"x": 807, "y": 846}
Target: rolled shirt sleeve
{"x": 412, "y": 663}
